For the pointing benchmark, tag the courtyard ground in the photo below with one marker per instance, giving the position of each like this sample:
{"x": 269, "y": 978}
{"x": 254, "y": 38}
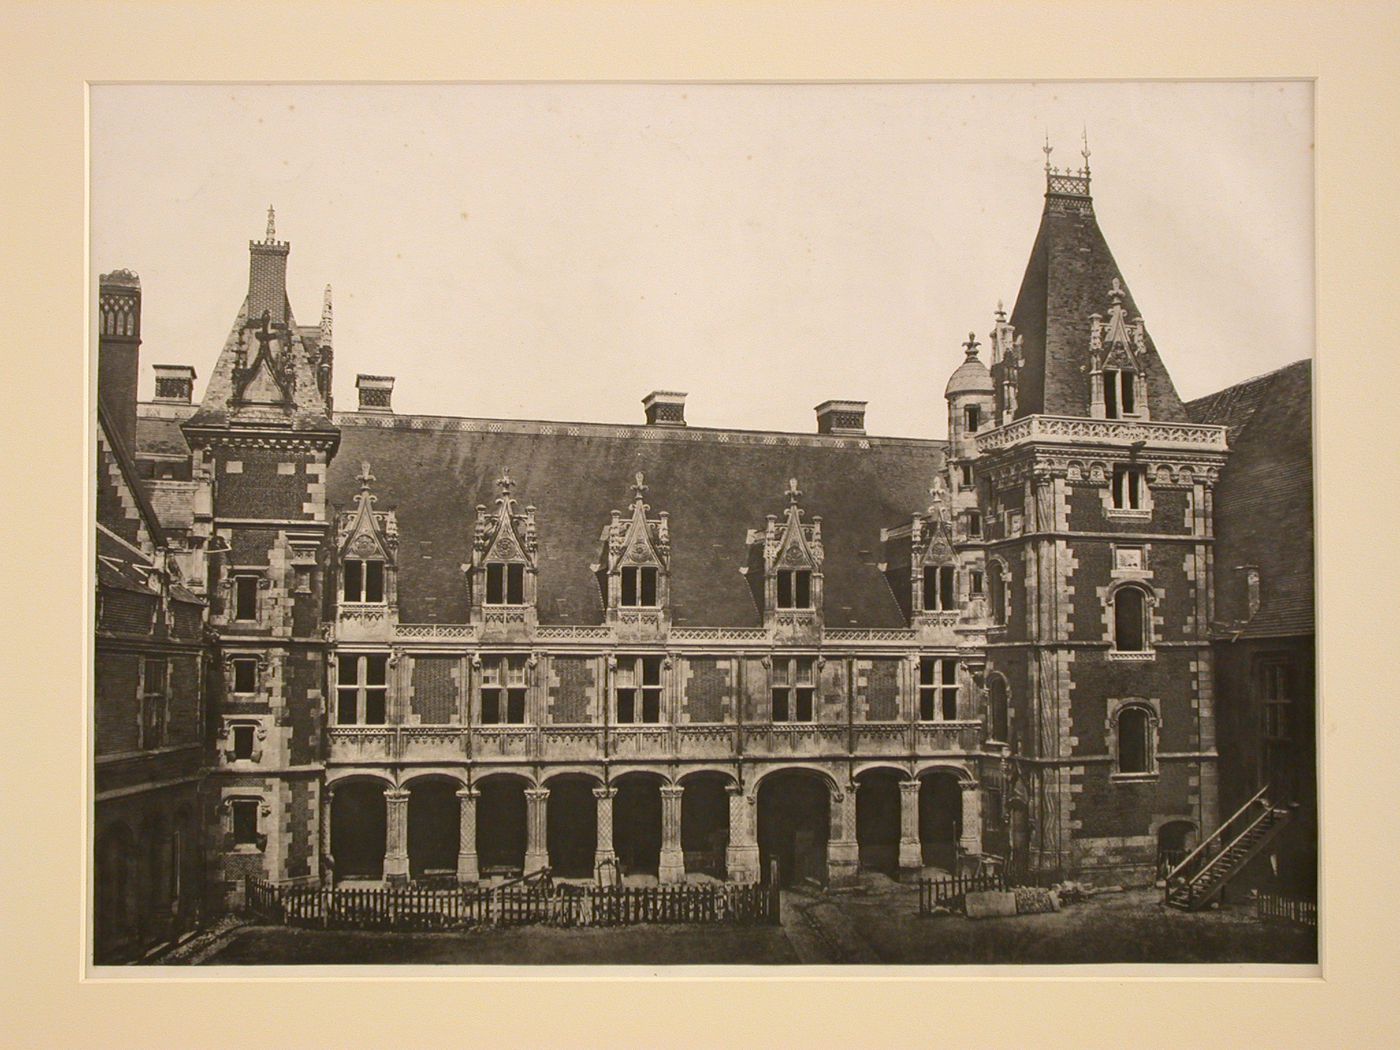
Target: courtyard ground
{"x": 875, "y": 923}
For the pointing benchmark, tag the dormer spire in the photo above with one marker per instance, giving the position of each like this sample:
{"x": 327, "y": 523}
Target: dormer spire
{"x": 1047, "y": 149}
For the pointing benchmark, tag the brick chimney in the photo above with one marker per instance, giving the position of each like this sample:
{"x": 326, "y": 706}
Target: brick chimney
{"x": 376, "y": 393}
{"x": 267, "y": 275}
{"x": 174, "y": 384}
{"x": 841, "y": 417}
{"x": 119, "y": 350}
{"x": 665, "y": 408}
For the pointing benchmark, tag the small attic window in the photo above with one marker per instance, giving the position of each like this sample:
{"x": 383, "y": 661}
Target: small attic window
{"x": 1119, "y": 396}
{"x": 362, "y": 580}
{"x": 505, "y": 584}
{"x": 639, "y": 586}
{"x": 794, "y": 589}
{"x": 972, "y": 418}
{"x": 939, "y": 592}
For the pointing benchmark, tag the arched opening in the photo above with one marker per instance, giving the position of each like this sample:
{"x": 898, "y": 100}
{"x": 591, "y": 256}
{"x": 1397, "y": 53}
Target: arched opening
{"x": 434, "y": 817}
{"x": 358, "y": 829}
{"x": 501, "y": 813}
{"x": 571, "y": 825}
{"x": 794, "y": 820}
{"x": 1175, "y": 839}
{"x": 1130, "y": 620}
{"x": 1019, "y": 835}
{"x": 998, "y": 717}
{"x": 637, "y": 823}
{"x": 878, "y": 820}
{"x": 1134, "y": 740}
{"x": 112, "y": 914}
{"x": 705, "y": 824}
{"x": 940, "y": 819}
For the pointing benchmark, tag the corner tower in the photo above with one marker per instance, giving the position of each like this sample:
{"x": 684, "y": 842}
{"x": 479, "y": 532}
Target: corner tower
{"x": 261, "y": 441}
{"x": 1096, "y": 497}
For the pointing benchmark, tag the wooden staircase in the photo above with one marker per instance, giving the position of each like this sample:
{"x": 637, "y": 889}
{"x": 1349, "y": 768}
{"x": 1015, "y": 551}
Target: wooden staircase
{"x": 1205, "y": 871}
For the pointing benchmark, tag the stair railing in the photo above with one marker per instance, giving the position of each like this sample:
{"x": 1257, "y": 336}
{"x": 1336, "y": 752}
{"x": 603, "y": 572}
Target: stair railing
{"x": 1195, "y": 863}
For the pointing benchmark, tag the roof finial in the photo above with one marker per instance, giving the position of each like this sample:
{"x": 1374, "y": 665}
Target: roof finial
{"x": 504, "y": 483}
{"x": 326, "y": 318}
{"x": 972, "y": 344}
{"x": 364, "y": 477}
{"x": 793, "y": 492}
{"x": 1001, "y": 311}
{"x": 271, "y": 224}
{"x": 639, "y": 488}
{"x": 1085, "y": 151}
{"x": 1047, "y": 149}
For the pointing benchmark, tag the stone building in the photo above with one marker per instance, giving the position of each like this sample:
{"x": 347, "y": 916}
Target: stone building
{"x": 459, "y": 648}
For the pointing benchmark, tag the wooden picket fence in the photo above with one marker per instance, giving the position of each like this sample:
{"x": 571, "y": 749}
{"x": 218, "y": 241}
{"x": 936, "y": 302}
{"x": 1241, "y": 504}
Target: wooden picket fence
{"x": 1286, "y": 909}
{"x": 935, "y": 892}
{"x": 417, "y": 908}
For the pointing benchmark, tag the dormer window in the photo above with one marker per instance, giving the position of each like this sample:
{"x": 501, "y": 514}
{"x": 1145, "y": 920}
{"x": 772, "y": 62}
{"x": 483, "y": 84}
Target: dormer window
{"x": 362, "y": 580}
{"x": 794, "y": 589}
{"x": 940, "y": 594}
{"x": 639, "y": 586}
{"x": 505, "y": 584}
{"x": 1119, "y": 394}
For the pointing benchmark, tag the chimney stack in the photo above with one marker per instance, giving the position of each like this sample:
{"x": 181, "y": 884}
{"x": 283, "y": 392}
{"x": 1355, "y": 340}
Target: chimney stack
{"x": 119, "y": 350}
{"x": 267, "y": 276}
{"x": 841, "y": 417}
{"x": 375, "y": 393}
{"x": 665, "y": 408}
{"x": 174, "y": 384}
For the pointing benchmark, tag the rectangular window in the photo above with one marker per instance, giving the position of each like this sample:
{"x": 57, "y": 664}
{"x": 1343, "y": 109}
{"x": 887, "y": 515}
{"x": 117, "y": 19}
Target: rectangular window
{"x": 794, "y": 589}
{"x": 505, "y": 584}
{"x": 975, "y": 586}
{"x": 245, "y": 674}
{"x": 638, "y": 689}
{"x": 245, "y": 597}
{"x": 965, "y": 475}
{"x": 245, "y": 821}
{"x": 153, "y": 702}
{"x": 939, "y": 588}
{"x": 503, "y": 685}
{"x": 639, "y": 586}
{"x": 974, "y": 523}
{"x": 243, "y": 742}
{"x": 362, "y": 690}
{"x": 794, "y": 688}
{"x": 938, "y": 689}
{"x": 1128, "y": 483}
{"x": 972, "y": 414}
{"x": 1119, "y": 395}
{"x": 363, "y": 581}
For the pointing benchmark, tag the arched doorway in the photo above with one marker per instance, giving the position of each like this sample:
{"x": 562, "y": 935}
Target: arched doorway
{"x": 940, "y": 819}
{"x": 1019, "y": 833}
{"x": 705, "y": 823}
{"x": 434, "y": 817}
{"x": 501, "y": 835}
{"x": 878, "y": 820}
{"x": 571, "y": 825}
{"x": 358, "y": 829}
{"x": 112, "y": 914}
{"x": 1175, "y": 839}
{"x": 637, "y": 823}
{"x": 794, "y": 821}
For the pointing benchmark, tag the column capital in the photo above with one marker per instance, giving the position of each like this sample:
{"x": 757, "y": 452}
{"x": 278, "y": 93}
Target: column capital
{"x": 537, "y": 794}
{"x": 733, "y": 789}
{"x": 910, "y": 786}
{"x": 969, "y": 785}
{"x": 398, "y": 794}
{"x": 468, "y": 793}
{"x": 672, "y": 791}
{"x": 604, "y": 793}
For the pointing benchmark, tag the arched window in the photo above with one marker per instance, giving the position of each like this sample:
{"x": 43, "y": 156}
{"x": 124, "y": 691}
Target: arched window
{"x": 1135, "y": 740}
{"x": 1130, "y": 620}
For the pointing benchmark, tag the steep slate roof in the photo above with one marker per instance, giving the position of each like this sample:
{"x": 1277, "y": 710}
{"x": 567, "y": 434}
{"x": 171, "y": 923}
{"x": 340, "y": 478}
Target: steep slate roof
{"x": 1068, "y": 279}
{"x": 715, "y": 485}
{"x": 1264, "y": 500}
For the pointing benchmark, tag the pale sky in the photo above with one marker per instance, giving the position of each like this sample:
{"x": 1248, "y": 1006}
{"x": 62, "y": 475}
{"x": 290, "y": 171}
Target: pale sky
{"x": 557, "y": 251}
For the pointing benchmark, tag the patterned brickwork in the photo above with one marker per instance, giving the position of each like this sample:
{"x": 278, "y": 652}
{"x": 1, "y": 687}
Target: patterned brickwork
{"x": 117, "y": 678}
{"x": 302, "y": 706}
{"x": 572, "y": 690}
{"x": 708, "y": 693}
{"x": 127, "y": 612}
{"x": 435, "y": 692}
{"x": 882, "y": 691}
{"x": 184, "y": 725}
{"x": 1087, "y": 514}
{"x": 298, "y": 829}
{"x": 259, "y": 489}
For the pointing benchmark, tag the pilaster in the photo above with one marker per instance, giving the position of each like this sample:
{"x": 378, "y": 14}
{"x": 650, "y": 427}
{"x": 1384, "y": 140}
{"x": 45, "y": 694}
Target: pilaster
{"x": 604, "y": 859}
{"x": 741, "y": 856}
{"x": 911, "y": 856}
{"x": 467, "y": 870}
{"x": 396, "y": 845}
{"x": 672, "y": 867}
{"x": 536, "y": 844}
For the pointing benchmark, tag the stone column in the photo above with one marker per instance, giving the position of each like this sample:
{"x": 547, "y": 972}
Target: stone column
{"x": 672, "y": 867}
{"x": 467, "y": 871}
{"x": 396, "y": 836}
{"x": 536, "y": 842}
{"x": 741, "y": 856}
{"x": 842, "y": 850}
{"x": 911, "y": 854}
{"x": 970, "y": 842}
{"x": 324, "y": 835}
{"x": 604, "y": 859}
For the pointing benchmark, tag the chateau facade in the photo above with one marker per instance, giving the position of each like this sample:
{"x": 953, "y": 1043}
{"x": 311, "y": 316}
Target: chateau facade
{"x": 460, "y": 649}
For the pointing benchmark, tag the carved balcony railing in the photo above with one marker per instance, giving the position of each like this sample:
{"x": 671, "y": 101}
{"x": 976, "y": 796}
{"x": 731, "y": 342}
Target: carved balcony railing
{"x": 719, "y": 634}
{"x": 796, "y": 738}
{"x": 569, "y": 743}
{"x": 1070, "y": 429}
{"x": 652, "y": 741}
{"x": 435, "y": 632}
{"x": 947, "y": 736}
{"x": 883, "y": 738}
{"x": 514, "y": 741}
{"x": 707, "y": 741}
{"x": 570, "y": 633}
{"x": 356, "y": 744}
{"x": 430, "y": 743}
{"x": 897, "y": 635}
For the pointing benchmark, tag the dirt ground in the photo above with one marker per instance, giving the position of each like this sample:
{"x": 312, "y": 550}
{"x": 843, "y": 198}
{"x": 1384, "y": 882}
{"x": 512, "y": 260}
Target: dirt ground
{"x": 875, "y": 923}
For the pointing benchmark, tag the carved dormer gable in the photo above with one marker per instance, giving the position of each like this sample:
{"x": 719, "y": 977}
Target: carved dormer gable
{"x": 787, "y": 556}
{"x": 365, "y": 532}
{"x": 270, "y": 379}
{"x": 506, "y": 535}
{"x": 932, "y": 554}
{"x": 1117, "y": 361}
{"x": 634, "y": 564}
